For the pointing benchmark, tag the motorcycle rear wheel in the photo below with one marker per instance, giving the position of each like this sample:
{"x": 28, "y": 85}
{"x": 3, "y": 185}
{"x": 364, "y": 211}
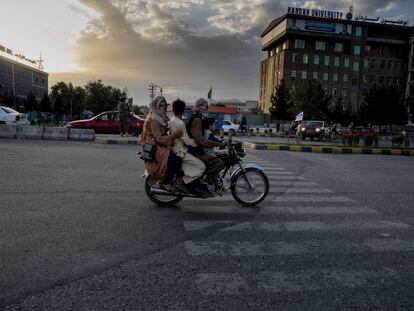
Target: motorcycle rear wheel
{"x": 160, "y": 200}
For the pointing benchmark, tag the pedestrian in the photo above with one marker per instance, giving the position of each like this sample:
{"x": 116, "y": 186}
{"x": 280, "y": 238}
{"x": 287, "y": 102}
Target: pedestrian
{"x": 124, "y": 114}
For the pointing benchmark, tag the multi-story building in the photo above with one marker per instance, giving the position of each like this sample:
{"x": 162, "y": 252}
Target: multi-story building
{"x": 345, "y": 55}
{"x": 18, "y": 79}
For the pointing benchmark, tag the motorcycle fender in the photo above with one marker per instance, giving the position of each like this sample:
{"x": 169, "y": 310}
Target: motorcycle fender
{"x": 246, "y": 166}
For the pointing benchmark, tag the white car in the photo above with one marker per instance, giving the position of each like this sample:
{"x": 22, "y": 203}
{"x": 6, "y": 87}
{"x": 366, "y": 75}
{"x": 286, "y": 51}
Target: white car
{"x": 11, "y": 116}
{"x": 229, "y": 126}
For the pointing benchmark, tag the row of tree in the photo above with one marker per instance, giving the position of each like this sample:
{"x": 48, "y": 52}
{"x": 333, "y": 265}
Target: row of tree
{"x": 65, "y": 98}
{"x": 382, "y": 104}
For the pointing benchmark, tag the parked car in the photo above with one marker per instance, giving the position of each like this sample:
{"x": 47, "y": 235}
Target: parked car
{"x": 11, "y": 116}
{"x": 229, "y": 126}
{"x": 314, "y": 129}
{"x": 108, "y": 123}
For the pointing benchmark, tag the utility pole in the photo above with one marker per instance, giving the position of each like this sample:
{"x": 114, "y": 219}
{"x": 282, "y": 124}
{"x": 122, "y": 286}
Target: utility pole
{"x": 152, "y": 88}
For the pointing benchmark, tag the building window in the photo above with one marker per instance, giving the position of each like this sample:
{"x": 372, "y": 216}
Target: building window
{"x": 357, "y": 50}
{"x": 354, "y": 81}
{"x": 320, "y": 45}
{"x": 326, "y": 61}
{"x": 315, "y": 75}
{"x": 346, "y": 62}
{"x": 293, "y": 75}
{"x": 294, "y": 58}
{"x": 277, "y": 49}
{"x": 388, "y": 80}
{"x": 365, "y": 63}
{"x": 316, "y": 60}
{"x": 373, "y": 64}
{"x": 304, "y": 75}
{"x": 344, "y": 92}
{"x": 345, "y": 77}
{"x": 334, "y": 91}
{"x": 305, "y": 59}
{"x": 358, "y": 31}
{"x": 389, "y": 65}
{"x": 339, "y": 47}
{"x": 396, "y": 66}
{"x": 368, "y": 50}
{"x": 325, "y": 76}
{"x": 355, "y": 66}
{"x": 335, "y": 76}
{"x": 382, "y": 64}
{"x": 381, "y": 80}
{"x": 336, "y": 61}
{"x": 299, "y": 44}
{"x": 285, "y": 45}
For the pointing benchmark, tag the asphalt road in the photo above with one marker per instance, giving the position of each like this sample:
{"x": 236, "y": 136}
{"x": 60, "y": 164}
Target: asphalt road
{"x": 78, "y": 233}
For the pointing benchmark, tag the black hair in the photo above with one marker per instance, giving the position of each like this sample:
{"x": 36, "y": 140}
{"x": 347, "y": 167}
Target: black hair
{"x": 207, "y": 122}
{"x": 178, "y": 106}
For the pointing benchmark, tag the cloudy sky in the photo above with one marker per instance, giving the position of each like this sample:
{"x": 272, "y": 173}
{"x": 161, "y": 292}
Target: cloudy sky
{"x": 185, "y": 46}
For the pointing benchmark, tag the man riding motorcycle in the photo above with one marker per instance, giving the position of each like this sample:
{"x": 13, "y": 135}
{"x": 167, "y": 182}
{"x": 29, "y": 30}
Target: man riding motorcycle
{"x": 195, "y": 130}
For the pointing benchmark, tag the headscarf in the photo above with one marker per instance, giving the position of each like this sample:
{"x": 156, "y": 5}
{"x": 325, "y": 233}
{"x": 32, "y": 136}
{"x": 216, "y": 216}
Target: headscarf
{"x": 155, "y": 112}
{"x": 201, "y": 107}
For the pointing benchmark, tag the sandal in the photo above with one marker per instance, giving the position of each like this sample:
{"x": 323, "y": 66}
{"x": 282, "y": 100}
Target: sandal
{"x": 167, "y": 187}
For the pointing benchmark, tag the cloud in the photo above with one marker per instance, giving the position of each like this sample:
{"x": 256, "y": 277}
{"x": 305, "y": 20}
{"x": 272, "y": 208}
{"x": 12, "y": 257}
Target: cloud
{"x": 188, "y": 45}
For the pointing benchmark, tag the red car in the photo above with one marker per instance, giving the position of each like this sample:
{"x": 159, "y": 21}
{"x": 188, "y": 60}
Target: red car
{"x": 108, "y": 123}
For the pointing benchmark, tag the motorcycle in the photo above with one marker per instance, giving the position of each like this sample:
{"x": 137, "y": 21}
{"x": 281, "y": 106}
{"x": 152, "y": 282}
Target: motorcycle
{"x": 247, "y": 182}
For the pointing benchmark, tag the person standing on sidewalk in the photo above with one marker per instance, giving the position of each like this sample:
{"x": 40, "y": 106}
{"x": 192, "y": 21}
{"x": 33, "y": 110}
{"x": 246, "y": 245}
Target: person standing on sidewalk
{"x": 124, "y": 114}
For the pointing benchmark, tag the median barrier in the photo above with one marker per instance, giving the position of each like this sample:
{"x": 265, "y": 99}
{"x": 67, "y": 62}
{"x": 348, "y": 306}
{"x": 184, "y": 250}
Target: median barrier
{"x": 55, "y": 133}
{"x": 8, "y": 131}
{"x": 81, "y": 134}
{"x": 29, "y": 132}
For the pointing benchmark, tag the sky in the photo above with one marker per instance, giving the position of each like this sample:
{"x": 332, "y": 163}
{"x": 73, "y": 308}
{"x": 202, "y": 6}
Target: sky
{"x": 184, "y": 46}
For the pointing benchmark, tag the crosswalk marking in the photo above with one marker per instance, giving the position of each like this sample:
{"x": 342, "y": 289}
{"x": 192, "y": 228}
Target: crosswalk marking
{"x": 311, "y": 198}
{"x": 317, "y": 210}
{"x": 295, "y": 226}
{"x": 309, "y": 190}
{"x": 284, "y": 282}
{"x": 282, "y": 248}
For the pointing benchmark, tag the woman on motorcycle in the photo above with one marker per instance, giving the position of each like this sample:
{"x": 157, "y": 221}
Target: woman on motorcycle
{"x": 166, "y": 163}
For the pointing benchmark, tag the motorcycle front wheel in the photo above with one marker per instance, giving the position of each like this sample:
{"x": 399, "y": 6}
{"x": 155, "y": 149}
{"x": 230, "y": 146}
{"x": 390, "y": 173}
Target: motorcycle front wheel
{"x": 246, "y": 195}
{"x": 160, "y": 200}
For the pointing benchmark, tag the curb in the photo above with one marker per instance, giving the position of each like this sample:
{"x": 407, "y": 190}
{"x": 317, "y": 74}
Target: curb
{"x": 332, "y": 150}
{"x": 116, "y": 141}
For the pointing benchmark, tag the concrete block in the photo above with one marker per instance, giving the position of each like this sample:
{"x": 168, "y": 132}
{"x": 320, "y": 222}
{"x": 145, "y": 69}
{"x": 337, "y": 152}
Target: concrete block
{"x": 55, "y": 133}
{"x": 29, "y": 132}
{"x": 8, "y": 131}
{"x": 81, "y": 134}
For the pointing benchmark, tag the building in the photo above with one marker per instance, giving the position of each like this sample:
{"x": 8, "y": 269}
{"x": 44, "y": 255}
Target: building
{"x": 345, "y": 54}
{"x": 247, "y": 106}
{"x": 19, "y": 77}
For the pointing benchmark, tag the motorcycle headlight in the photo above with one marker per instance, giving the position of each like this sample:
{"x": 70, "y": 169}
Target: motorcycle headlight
{"x": 302, "y": 129}
{"x": 317, "y": 129}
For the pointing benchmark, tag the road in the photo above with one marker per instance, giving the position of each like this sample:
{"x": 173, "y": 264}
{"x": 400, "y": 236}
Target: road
{"x": 78, "y": 233}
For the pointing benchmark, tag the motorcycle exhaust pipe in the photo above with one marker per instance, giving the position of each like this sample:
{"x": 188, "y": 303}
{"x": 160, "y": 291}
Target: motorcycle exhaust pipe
{"x": 159, "y": 191}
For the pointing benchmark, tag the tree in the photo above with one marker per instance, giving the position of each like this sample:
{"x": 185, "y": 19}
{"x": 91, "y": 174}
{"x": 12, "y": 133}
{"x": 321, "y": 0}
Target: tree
{"x": 67, "y": 99}
{"x": 309, "y": 96}
{"x": 281, "y": 107}
{"x": 100, "y": 97}
{"x": 44, "y": 105}
{"x": 30, "y": 102}
{"x": 383, "y": 105}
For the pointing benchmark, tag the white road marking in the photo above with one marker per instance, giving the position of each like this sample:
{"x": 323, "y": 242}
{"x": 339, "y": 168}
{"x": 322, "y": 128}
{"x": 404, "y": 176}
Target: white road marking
{"x": 285, "y": 282}
{"x": 310, "y": 198}
{"x": 249, "y": 249}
